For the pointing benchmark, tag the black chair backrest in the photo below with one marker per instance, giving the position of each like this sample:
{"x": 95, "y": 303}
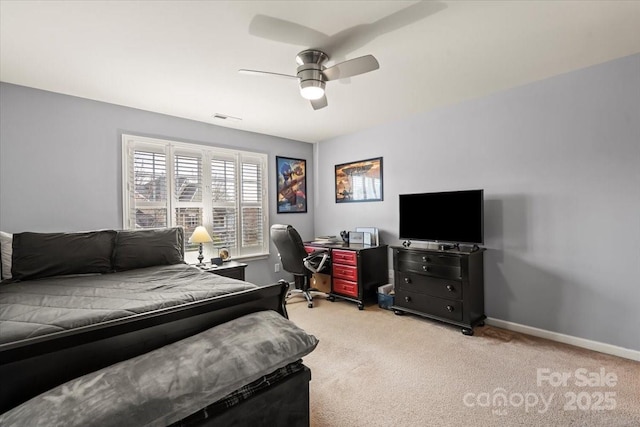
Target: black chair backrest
{"x": 291, "y": 248}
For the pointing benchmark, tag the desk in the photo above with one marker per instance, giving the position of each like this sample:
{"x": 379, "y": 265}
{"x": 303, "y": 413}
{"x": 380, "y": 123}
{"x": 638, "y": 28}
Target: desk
{"x": 356, "y": 270}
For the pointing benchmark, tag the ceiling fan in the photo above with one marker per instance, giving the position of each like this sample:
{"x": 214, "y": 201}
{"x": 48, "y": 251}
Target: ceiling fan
{"x": 313, "y": 75}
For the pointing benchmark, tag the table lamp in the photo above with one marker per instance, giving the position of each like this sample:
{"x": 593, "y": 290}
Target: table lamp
{"x": 200, "y": 236}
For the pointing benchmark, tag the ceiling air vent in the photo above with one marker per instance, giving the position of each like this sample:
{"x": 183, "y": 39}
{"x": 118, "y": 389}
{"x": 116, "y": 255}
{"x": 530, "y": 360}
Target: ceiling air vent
{"x": 220, "y": 116}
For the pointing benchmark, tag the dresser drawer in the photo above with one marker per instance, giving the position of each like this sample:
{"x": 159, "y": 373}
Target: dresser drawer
{"x": 346, "y": 272}
{"x": 340, "y": 256}
{"x": 436, "y": 270}
{"x": 345, "y": 287}
{"x": 414, "y": 282}
{"x": 429, "y": 258}
{"x": 440, "y": 307}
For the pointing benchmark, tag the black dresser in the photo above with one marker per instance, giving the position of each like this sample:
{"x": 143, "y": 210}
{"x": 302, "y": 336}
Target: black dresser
{"x": 442, "y": 285}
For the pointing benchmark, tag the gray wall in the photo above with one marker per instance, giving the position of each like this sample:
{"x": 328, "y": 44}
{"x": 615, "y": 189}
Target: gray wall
{"x": 60, "y": 163}
{"x": 559, "y": 161}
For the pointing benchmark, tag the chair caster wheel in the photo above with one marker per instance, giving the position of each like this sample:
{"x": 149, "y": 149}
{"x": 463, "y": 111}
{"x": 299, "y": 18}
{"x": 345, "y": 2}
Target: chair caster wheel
{"x": 310, "y": 305}
{"x": 360, "y": 306}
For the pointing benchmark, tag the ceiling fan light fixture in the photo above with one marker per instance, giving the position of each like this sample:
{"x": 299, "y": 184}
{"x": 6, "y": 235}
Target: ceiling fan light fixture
{"x": 312, "y": 89}
{"x": 312, "y": 75}
{"x": 312, "y": 92}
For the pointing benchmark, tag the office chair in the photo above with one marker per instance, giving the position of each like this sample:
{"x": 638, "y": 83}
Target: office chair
{"x": 296, "y": 260}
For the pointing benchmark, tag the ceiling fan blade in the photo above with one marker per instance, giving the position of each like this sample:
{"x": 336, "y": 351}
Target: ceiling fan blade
{"x": 266, "y": 73}
{"x": 319, "y": 103}
{"x": 279, "y": 30}
{"x": 352, "y": 67}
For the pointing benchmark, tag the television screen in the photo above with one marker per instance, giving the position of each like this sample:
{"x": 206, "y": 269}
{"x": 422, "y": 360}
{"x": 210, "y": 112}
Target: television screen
{"x": 452, "y": 216}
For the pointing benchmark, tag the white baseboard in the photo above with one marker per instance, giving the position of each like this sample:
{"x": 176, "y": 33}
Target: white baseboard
{"x": 566, "y": 339}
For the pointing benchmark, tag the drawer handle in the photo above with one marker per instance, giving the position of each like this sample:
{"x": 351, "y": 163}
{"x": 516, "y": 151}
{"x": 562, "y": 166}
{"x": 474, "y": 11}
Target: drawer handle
{"x": 450, "y": 308}
{"x": 407, "y": 299}
{"x": 407, "y": 280}
{"x": 426, "y": 268}
{"x": 450, "y": 288}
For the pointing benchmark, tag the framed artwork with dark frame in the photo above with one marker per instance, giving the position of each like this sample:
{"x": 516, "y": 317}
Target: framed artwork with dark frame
{"x": 359, "y": 181}
{"x": 291, "y": 185}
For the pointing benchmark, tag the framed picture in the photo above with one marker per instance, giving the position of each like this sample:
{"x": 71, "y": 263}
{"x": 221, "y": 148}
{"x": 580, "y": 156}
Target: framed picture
{"x": 359, "y": 181}
{"x": 291, "y": 185}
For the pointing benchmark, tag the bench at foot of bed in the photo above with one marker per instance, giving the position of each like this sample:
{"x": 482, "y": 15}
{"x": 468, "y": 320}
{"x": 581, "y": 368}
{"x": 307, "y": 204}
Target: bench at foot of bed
{"x": 186, "y": 383}
{"x": 284, "y": 403}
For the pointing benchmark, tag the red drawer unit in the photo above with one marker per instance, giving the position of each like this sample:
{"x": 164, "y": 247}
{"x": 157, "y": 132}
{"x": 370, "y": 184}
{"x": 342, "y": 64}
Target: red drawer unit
{"x": 345, "y": 287}
{"x": 356, "y": 272}
{"x": 346, "y": 272}
{"x": 340, "y": 256}
{"x": 344, "y": 269}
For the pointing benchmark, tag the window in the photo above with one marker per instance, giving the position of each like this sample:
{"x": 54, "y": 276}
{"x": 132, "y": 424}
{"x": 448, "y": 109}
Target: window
{"x": 169, "y": 183}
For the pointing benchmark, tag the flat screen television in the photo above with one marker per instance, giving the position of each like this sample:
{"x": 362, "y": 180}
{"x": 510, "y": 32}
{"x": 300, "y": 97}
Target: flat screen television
{"x": 450, "y": 216}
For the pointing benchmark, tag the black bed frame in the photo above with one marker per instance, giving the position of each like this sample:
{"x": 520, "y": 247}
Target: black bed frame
{"x": 32, "y": 366}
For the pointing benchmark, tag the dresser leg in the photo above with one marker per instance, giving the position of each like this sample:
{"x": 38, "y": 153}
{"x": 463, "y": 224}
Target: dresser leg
{"x": 467, "y": 331}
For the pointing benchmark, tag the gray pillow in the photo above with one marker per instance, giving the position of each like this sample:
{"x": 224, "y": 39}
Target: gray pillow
{"x": 37, "y": 255}
{"x": 146, "y": 248}
{"x": 6, "y": 248}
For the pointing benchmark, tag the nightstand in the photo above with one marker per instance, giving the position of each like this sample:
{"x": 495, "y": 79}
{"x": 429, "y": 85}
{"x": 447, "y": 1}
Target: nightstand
{"x": 232, "y": 269}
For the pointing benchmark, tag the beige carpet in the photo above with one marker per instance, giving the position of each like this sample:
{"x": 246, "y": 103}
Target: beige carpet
{"x": 373, "y": 368}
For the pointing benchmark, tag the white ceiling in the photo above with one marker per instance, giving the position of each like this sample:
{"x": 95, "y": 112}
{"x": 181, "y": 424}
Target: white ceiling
{"x": 182, "y": 58}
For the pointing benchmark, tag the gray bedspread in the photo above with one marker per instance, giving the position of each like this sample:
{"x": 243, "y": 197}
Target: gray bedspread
{"x": 170, "y": 383}
{"x": 38, "y": 307}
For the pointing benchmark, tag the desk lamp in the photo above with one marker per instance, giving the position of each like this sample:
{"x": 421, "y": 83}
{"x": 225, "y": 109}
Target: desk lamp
{"x": 200, "y": 236}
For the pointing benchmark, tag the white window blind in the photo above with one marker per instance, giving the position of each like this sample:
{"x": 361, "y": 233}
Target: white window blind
{"x": 148, "y": 194}
{"x": 224, "y": 201}
{"x": 188, "y": 178}
{"x": 252, "y": 213}
{"x": 170, "y": 183}
{"x": 187, "y": 188}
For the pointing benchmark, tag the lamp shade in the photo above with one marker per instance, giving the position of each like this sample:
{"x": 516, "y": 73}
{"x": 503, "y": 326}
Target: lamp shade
{"x": 200, "y": 235}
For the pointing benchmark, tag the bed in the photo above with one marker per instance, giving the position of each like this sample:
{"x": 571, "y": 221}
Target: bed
{"x": 95, "y": 303}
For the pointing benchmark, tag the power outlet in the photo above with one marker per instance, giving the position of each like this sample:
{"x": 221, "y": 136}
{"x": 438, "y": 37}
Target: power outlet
{"x": 277, "y": 268}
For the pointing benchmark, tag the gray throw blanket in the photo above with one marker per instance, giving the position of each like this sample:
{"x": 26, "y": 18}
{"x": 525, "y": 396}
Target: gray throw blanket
{"x": 172, "y": 382}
